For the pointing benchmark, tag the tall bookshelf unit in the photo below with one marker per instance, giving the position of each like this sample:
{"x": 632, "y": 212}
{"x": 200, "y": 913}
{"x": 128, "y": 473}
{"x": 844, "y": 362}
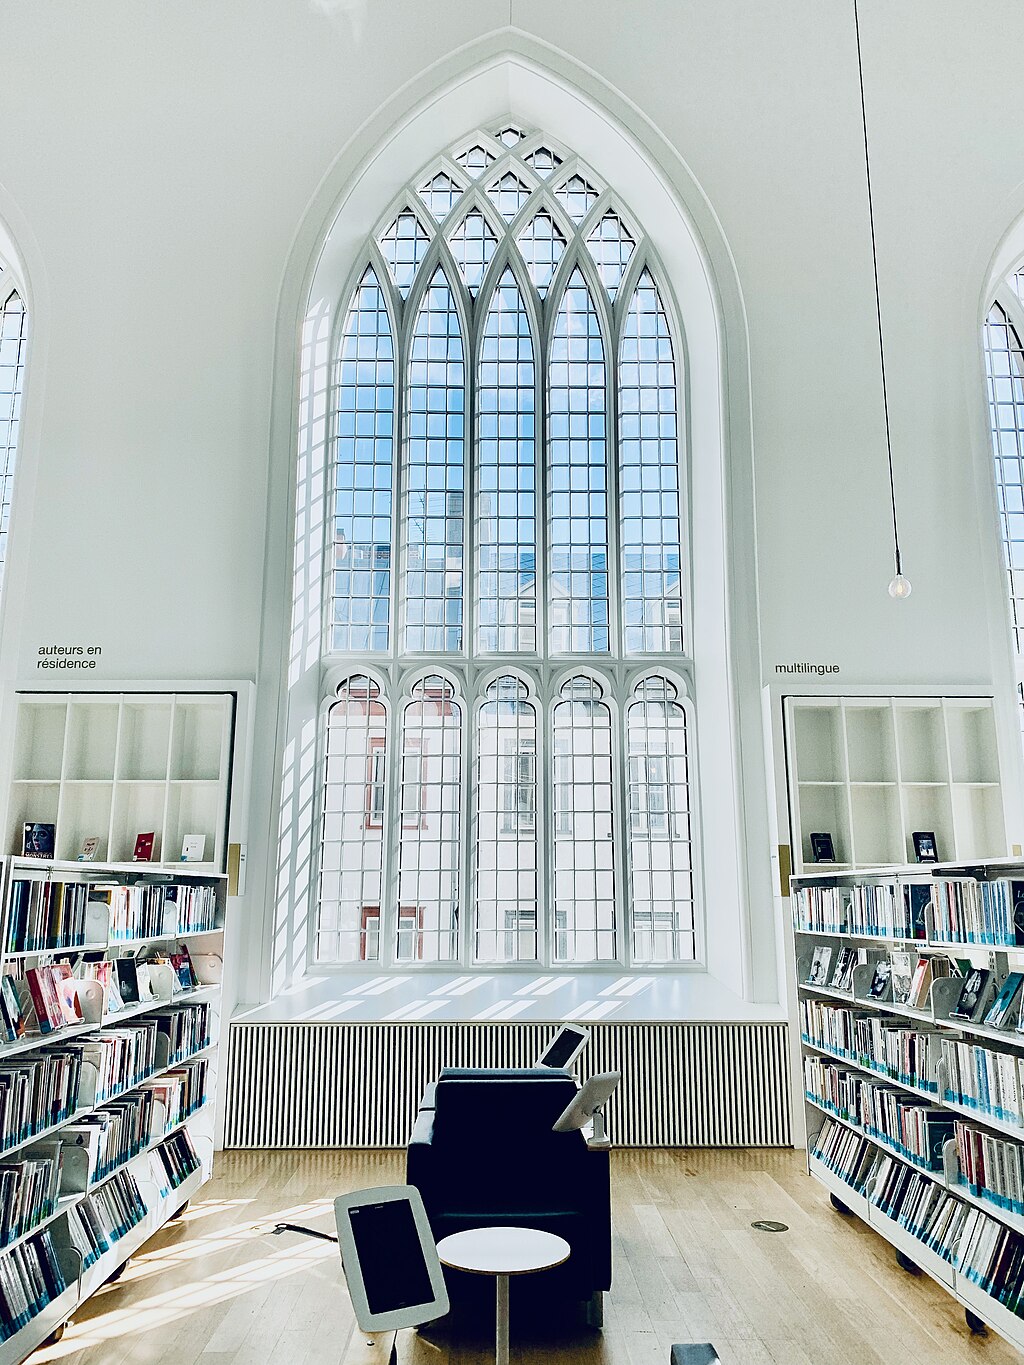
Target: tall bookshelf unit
{"x": 113, "y": 765}
{"x": 151, "y": 1066}
{"x": 946, "y": 1191}
{"x": 871, "y": 771}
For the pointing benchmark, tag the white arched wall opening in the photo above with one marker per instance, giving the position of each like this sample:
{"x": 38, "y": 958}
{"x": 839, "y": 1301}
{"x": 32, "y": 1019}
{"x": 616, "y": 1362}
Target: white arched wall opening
{"x": 512, "y": 76}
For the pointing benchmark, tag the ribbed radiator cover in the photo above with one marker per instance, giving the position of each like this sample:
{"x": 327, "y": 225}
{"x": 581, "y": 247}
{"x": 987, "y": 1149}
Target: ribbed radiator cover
{"x": 358, "y": 1085}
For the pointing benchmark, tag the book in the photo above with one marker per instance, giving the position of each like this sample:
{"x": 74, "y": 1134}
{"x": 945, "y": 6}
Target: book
{"x": 902, "y": 976}
{"x": 921, "y": 984}
{"x": 90, "y": 847}
{"x": 842, "y": 977}
{"x": 15, "y": 1018}
{"x": 71, "y": 1010}
{"x": 818, "y": 975}
{"x": 37, "y": 839}
{"x": 193, "y": 848}
{"x": 971, "y": 1001}
{"x": 144, "y": 847}
{"x": 127, "y": 978}
{"x": 182, "y": 964}
{"x": 45, "y": 1000}
{"x": 881, "y": 981}
{"x": 998, "y": 1016}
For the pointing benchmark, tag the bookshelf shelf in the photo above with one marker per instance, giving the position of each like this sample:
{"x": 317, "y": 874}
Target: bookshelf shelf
{"x": 111, "y": 766}
{"x": 891, "y": 1086}
{"x": 872, "y": 771}
{"x": 111, "y": 1198}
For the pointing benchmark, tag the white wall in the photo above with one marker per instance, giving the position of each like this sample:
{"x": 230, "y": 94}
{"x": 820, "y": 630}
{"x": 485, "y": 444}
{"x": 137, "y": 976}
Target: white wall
{"x": 157, "y": 162}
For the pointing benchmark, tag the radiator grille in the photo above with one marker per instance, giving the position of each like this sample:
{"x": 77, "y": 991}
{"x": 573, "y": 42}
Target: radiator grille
{"x": 358, "y": 1085}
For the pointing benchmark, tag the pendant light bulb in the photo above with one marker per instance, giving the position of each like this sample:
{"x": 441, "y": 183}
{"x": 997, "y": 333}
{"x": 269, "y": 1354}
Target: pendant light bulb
{"x": 900, "y": 588}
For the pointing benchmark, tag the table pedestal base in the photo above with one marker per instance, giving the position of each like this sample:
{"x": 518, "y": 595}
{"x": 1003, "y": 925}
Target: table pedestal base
{"x": 501, "y": 1320}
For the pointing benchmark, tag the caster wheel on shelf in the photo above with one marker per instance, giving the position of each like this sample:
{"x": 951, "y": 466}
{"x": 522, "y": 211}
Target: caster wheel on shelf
{"x": 838, "y": 1204}
{"x": 56, "y": 1335}
{"x": 178, "y": 1212}
{"x": 978, "y": 1328}
{"x": 905, "y": 1263}
{"x": 113, "y": 1278}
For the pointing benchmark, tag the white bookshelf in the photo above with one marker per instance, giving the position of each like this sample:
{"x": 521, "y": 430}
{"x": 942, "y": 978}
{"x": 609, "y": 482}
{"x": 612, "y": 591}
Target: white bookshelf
{"x": 162, "y": 1200}
{"x": 980, "y": 1306}
{"x": 871, "y": 771}
{"x": 114, "y": 765}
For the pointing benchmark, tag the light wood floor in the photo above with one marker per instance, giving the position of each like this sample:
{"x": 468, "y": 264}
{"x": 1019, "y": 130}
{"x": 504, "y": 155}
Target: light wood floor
{"x": 216, "y": 1289}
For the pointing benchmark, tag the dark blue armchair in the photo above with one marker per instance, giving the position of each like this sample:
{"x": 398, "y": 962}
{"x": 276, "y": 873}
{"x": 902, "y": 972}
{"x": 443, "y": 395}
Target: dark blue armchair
{"x": 482, "y": 1154}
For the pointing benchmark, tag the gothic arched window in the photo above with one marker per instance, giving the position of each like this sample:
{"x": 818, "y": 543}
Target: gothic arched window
{"x": 508, "y": 580}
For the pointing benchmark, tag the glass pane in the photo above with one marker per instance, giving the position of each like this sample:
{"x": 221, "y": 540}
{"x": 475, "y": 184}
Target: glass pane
{"x": 541, "y": 243}
{"x": 510, "y": 134}
{"x": 509, "y": 194}
{"x": 660, "y": 859}
{"x": 651, "y": 559}
{"x": 435, "y": 476}
{"x": 473, "y": 243}
{"x": 584, "y": 881}
{"x": 427, "y": 924}
{"x": 577, "y": 478}
{"x": 13, "y": 349}
{"x": 475, "y": 159}
{"x": 364, "y": 458}
{"x": 578, "y": 196}
{"x": 506, "y": 499}
{"x": 506, "y": 826}
{"x": 543, "y": 161}
{"x": 439, "y": 193}
{"x": 352, "y": 835}
{"x": 611, "y": 247}
{"x": 1004, "y": 363}
{"x": 404, "y": 244}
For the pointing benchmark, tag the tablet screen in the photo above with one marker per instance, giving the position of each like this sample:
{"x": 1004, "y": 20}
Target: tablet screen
{"x": 561, "y": 1049}
{"x": 387, "y": 1242}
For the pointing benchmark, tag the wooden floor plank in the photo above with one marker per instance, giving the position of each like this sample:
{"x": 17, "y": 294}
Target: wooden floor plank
{"x": 216, "y": 1288}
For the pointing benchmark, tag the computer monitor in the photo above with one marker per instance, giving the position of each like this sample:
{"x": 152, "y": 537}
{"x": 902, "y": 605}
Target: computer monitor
{"x": 389, "y": 1258}
{"x": 564, "y": 1047}
{"x": 588, "y": 1104}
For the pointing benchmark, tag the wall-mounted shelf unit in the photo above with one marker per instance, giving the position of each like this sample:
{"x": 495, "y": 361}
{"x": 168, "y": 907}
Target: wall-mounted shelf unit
{"x": 915, "y": 1116}
{"x": 115, "y": 765}
{"x": 130, "y": 1090}
{"x": 870, "y": 771}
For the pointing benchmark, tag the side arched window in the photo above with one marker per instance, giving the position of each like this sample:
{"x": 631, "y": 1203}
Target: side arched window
{"x": 13, "y": 347}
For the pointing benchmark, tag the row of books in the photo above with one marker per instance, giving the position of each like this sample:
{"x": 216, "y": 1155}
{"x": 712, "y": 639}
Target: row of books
{"x": 48, "y": 998}
{"x": 912, "y": 1127}
{"x": 819, "y": 910}
{"x": 991, "y": 1167}
{"x": 889, "y": 910}
{"x": 969, "y": 1074}
{"x": 28, "y": 1191}
{"x": 181, "y": 1091}
{"x": 179, "y": 1160}
{"x": 923, "y": 1207}
{"x": 36, "y": 1092}
{"x": 969, "y": 911}
{"x": 964, "y": 910}
{"x": 984, "y": 1079}
{"x": 30, "y": 1278}
{"x": 187, "y": 1029}
{"x": 102, "y": 1218}
{"x": 46, "y": 914}
{"x": 149, "y": 910}
{"x": 30, "y": 1273}
{"x": 112, "y": 1135}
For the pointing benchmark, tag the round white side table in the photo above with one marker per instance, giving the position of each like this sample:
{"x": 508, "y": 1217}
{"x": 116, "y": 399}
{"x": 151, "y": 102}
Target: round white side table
{"x": 502, "y": 1252}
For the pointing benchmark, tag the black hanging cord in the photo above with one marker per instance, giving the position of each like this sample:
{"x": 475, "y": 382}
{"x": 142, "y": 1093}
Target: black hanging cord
{"x": 878, "y": 300}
